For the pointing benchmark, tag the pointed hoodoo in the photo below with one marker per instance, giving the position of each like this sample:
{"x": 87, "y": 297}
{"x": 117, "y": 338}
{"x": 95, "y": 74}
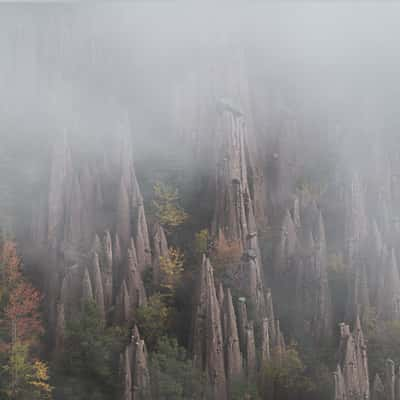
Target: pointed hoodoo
{"x": 123, "y": 311}
{"x": 87, "y": 291}
{"x": 207, "y": 338}
{"x": 117, "y": 252}
{"x": 221, "y": 295}
{"x": 265, "y": 342}
{"x": 159, "y": 249}
{"x": 355, "y": 218}
{"x": 389, "y": 292}
{"x": 142, "y": 241}
{"x": 286, "y": 245}
{"x": 232, "y": 191}
{"x": 242, "y": 323}
{"x": 233, "y": 223}
{"x": 340, "y": 388}
{"x": 233, "y": 356}
{"x": 397, "y": 384}
{"x": 389, "y": 380}
{"x": 73, "y": 228}
{"x": 373, "y": 259}
{"x": 389, "y": 388}
{"x": 98, "y": 292}
{"x": 270, "y": 315}
{"x": 141, "y": 375}
{"x": 322, "y": 313}
{"x": 378, "y": 390}
{"x": 131, "y": 293}
{"x": 107, "y": 274}
{"x": 60, "y": 329}
{"x": 126, "y": 373}
{"x": 96, "y": 245}
{"x": 135, "y": 371}
{"x": 123, "y": 214}
{"x": 353, "y": 362}
{"x": 251, "y": 362}
{"x": 73, "y": 285}
{"x": 358, "y": 292}
{"x": 59, "y": 187}
{"x": 108, "y": 251}
{"x": 309, "y": 269}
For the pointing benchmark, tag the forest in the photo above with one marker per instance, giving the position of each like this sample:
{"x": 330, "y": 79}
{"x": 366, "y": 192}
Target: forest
{"x": 199, "y": 202}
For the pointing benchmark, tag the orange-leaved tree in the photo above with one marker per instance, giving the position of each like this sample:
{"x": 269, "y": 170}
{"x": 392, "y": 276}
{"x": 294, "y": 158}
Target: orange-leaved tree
{"x": 20, "y": 330}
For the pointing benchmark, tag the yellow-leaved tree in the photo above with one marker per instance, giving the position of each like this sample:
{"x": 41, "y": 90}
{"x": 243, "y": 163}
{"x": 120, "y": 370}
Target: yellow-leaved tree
{"x": 166, "y": 206}
{"x": 171, "y": 268}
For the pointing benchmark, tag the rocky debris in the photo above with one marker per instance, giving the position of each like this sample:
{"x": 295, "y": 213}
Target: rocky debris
{"x": 207, "y": 337}
{"x": 351, "y": 378}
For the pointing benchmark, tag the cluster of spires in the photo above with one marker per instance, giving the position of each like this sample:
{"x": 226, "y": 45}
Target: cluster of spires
{"x": 106, "y": 267}
{"x": 223, "y": 340}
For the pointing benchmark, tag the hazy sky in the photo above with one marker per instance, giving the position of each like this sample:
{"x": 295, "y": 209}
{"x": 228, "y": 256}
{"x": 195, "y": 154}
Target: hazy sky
{"x": 84, "y": 68}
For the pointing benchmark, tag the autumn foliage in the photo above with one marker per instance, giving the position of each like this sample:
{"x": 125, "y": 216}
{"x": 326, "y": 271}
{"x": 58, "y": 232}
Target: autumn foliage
{"x": 21, "y": 312}
{"x": 20, "y": 329}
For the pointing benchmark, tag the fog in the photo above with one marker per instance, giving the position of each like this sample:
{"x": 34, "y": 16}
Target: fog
{"x": 86, "y": 69}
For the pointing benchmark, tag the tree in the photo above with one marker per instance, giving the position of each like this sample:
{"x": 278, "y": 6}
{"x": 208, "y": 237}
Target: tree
{"x": 171, "y": 268}
{"x": 383, "y": 343}
{"x": 173, "y": 375}
{"x": 153, "y": 319}
{"x": 201, "y": 243}
{"x": 284, "y": 377}
{"x": 88, "y": 367}
{"x": 21, "y": 327}
{"x": 166, "y": 207}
